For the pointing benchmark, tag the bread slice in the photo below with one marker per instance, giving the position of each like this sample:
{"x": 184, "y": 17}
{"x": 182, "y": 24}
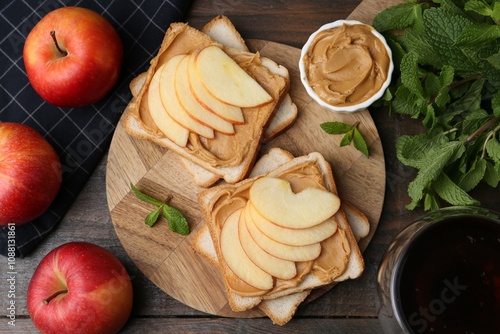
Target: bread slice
{"x": 360, "y": 224}
{"x": 225, "y": 156}
{"x": 280, "y": 306}
{"x": 222, "y": 30}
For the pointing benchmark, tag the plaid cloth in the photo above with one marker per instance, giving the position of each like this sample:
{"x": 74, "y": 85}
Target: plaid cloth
{"x": 80, "y": 135}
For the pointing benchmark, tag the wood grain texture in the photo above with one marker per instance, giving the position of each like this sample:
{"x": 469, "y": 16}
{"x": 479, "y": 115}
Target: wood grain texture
{"x": 167, "y": 259}
{"x": 210, "y": 325}
{"x": 349, "y": 307}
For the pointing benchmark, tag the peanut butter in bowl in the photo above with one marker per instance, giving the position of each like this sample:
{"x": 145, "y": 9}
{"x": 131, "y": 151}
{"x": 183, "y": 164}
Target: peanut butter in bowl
{"x": 346, "y": 65}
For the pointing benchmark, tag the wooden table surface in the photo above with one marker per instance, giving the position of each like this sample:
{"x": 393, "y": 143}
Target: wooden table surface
{"x": 349, "y": 307}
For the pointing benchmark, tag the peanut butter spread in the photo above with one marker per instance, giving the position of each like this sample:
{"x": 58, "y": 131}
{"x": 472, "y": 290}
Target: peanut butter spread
{"x": 222, "y": 150}
{"x": 346, "y": 65}
{"x": 230, "y": 150}
{"x": 332, "y": 261}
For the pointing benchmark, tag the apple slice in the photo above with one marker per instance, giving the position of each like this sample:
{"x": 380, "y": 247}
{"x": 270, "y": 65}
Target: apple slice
{"x": 293, "y": 237}
{"x": 236, "y": 258}
{"x": 282, "y": 251}
{"x": 170, "y": 128}
{"x": 274, "y": 199}
{"x": 227, "y": 81}
{"x": 192, "y": 106}
{"x": 230, "y": 113}
{"x": 171, "y": 103}
{"x": 272, "y": 265}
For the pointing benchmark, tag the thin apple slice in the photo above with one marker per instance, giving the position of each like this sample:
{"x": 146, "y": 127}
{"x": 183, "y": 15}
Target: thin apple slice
{"x": 227, "y": 81}
{"x": 293, "y": 237}
{"x": 282, "y": 251}
{"x": 170, "y": 128}
{"x": 236, "y": 258}
{"x": 171, "y": 103}
{"x": 274, "y": 199}
{"x": 272, "y": 265}
{"x": 192, "y": 106}
{"x": 230, "y": 113}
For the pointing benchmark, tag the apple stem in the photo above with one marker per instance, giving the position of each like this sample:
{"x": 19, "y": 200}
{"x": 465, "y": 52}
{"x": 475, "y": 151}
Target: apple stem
{"x": 47, "y": 300}
{"x": 53, "y": 34}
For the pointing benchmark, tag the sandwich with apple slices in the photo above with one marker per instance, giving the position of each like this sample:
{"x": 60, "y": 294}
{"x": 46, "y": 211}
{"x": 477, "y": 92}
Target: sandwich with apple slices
{"x": 280, "y": 233}
{"x": 207, "y": 102}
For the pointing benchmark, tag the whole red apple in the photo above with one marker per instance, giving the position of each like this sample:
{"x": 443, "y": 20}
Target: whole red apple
{"x": 73, "y": 57}
{"x": 80, "y": 287}
{"x": 30, "y": 174}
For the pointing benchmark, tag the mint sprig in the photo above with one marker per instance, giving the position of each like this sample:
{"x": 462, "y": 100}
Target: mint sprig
{"x": 447, "y": 57}
{"x": 351, "y": 135}
{"x": 176, "y": 221}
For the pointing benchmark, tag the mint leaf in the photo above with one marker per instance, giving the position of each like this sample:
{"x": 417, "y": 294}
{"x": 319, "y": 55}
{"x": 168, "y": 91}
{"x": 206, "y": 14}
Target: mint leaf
{"x": 430, "y": 120}
{"x": 410, "y": 74}
{"x": 479, "y": 7}
{"x": 495, "y": 15}
{"x": 347, "y": 139}
{"x": 412, "y": 150}
{"x": 493, "y": 149}
{"x": 442, "y": 28}
{"x": 492, "y": 75}
{"x": 431, "y": 168}
{"x": 430, "y": 202}
{"x": 145, "y": 198}
{"x": 494, "y": 60}
{"x": 176, "y": 221}
{"x": 474, "y": 175}
{"x": 452, "y": 6}
{"x": 152, "y": 218}
{"x": 451, "y": 193}
{"x": 473, "y": 120}
{"x": 418, "y": 44}
{"x": 407, "y": 103}
{"x": 495, "y": 104}
{"x": 476, "y": 34}
{"x": 360, "y": 143}
{"x": 491, "y": 175}
{"x": 470, "y": 100}
{"x": 445, "y": 79}
{"x": 335, "y": 128}
{"x": 397, "y": 17}
{"x": 350, "y": 132}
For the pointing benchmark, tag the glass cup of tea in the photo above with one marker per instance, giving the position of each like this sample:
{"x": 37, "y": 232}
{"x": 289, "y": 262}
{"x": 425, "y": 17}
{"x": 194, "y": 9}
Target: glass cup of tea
{"x": 442, "y": 274}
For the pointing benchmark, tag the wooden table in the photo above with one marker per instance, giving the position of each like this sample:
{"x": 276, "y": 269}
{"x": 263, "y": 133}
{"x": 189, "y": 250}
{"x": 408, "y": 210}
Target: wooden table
{"x": 348, "y": 308}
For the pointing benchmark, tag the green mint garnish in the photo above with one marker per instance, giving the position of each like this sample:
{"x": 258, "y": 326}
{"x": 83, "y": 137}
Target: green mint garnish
{"x": 351, "y": 135}
{"x": 447, "y": 74}
{"x": 176, "y": 221}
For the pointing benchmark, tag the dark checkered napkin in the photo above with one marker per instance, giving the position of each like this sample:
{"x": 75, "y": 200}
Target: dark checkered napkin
{"x": 80, "y": 135}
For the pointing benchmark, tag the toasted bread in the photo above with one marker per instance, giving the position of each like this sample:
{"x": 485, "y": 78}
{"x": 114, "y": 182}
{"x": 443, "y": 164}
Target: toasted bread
{"x": 226, "y": 156}
{"x": 281, "y": 306}
{"x": 222, "y": 30}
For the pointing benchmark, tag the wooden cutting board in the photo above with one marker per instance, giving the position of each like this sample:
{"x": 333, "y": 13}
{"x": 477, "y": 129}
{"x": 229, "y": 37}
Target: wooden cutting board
{"x": 167, "y": 258}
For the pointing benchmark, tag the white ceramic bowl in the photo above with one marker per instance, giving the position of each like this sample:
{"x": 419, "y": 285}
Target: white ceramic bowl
{"x": 351, "y": 108}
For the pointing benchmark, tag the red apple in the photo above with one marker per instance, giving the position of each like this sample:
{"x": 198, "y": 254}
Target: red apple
{"x": 80, "y": 287}
{"x": 30, "y": 174}
{"x": 73, "y": 57}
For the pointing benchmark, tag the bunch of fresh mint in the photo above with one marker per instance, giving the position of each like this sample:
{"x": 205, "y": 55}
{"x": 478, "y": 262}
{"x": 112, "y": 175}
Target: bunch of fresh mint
{"x": 447, "y": 61}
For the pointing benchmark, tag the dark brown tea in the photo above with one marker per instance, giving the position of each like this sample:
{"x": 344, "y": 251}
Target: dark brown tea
{"x": 450, "y": 278}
